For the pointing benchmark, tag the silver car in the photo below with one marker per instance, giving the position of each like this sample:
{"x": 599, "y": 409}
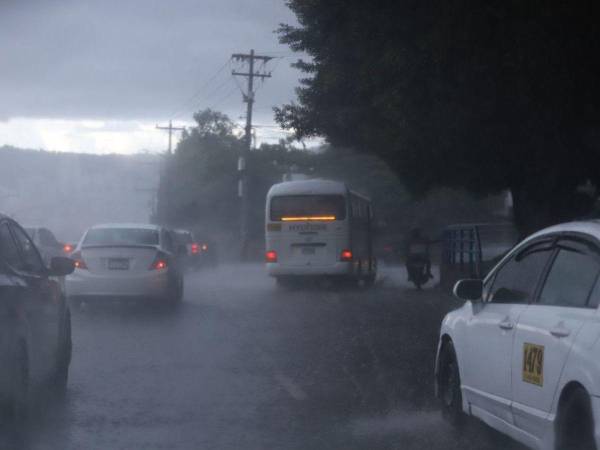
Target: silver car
{"x": 126, "y": 262}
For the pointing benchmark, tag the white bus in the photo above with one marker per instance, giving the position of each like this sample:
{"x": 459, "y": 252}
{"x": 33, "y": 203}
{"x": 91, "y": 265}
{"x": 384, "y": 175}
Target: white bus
{"x": 319, "y": 228}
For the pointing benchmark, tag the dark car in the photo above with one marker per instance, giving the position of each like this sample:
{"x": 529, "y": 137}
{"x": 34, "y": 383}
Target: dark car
{"x": 35, "y": 322}
{"x": 47, "y": 244}
{"x": 197, "y": 253}
{"x": 208, "y": 252}
{"x": 187, "y": 248}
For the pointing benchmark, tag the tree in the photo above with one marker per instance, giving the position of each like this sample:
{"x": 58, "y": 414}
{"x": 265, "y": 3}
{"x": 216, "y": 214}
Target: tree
{"x": 483, "y": 95}
{"x": 199, "y": 182}
{"x": 198, "y": 186}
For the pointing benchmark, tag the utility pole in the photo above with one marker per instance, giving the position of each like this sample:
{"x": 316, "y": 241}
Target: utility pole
{"x": 163, "y": 195}
{"x": 170, "y": 128}
{"x": 248, "y": 97}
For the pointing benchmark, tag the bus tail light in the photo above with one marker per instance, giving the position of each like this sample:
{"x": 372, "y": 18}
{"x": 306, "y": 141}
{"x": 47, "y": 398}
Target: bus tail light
{"x": 195, "y": 248}
{"x": 271, "y": 256}
{"x": 79, "y": 263}
{"x": 346, "y": 255}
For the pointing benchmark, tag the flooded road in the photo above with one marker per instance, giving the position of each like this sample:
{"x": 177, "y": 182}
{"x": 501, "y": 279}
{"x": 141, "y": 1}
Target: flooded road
{"x": 243, "y": 364}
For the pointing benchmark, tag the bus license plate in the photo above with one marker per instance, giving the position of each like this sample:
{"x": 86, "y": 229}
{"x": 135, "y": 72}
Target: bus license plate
{"x": 118, "y": 264}
{"x": 308, "y": 250}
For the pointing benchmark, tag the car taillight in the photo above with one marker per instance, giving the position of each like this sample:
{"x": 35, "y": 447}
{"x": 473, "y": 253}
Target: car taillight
{"x": 67, "y": 248}
{"x": 78, "y": 261}
{"x": 195, "y": 248}
{"x": 271, "y": 256}
{"x": 159, "y": 263}
{"x": 346, "y": 255}
{"x": 204, "y": 247}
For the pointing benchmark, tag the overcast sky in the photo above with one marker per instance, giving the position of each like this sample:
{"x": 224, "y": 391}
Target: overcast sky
{"x": 97, "y": 75}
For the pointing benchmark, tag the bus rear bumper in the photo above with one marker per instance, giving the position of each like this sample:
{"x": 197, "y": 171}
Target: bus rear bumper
{"x": 339, "y": 268}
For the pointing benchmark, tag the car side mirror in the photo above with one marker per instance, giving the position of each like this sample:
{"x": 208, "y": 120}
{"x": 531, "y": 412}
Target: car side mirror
{"x": 61, "y": 266}
{"x": 469, "y": 289}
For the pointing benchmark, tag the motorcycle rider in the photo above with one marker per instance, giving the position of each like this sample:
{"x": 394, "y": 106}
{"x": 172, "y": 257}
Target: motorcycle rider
{"x": 417, "y": 256}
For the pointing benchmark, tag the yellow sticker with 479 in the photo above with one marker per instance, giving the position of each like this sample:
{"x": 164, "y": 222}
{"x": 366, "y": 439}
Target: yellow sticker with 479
{"x": 533, "y": 363}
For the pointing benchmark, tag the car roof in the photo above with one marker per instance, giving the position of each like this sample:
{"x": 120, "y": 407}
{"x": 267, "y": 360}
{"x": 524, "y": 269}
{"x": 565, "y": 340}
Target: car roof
{"x": 590, "y": 227}
{"x": 6, "y": 216}
{"x": 307, "y": 187}
{"x": 462, "y": 226}
{"x": 144, "y": 226}
{"x": 34, "y": 228}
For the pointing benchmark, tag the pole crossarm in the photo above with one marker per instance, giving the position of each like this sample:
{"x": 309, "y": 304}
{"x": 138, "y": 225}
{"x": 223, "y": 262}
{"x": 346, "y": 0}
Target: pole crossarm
{"x": 248, "y": 56}
{"x": 170, "y": 128}
{"x": 256, "y": 75}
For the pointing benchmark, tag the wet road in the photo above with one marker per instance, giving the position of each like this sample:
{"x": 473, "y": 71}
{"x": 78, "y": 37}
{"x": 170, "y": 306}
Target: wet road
{"x": 245, "y": 365}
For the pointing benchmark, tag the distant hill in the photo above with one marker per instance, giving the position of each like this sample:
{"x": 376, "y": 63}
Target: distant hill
{"x": 68, "y": 192}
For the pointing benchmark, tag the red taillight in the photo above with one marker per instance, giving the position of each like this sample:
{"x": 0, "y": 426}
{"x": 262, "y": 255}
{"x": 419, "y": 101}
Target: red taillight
{"x": 195, "y": 248}
{"x": 271, "y": 256}
{"x": 78, "y": 261}
{"x": 346, "y": 255}
{"x": 67, "y": 248}
{"x": 159, "y": 264}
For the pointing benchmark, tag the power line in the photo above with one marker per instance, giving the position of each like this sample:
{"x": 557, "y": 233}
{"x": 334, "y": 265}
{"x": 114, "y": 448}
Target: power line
{"x": 216, "y": 90}
{"x": 225, "y": 97}
{"x": 267, "y": 126}
{"x": 180, "y": 110}
{"x": 282, "y": 53}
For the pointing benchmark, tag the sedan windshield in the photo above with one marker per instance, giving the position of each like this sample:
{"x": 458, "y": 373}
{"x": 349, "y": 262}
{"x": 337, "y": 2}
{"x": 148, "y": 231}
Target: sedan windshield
{"x": 121, "y": 236}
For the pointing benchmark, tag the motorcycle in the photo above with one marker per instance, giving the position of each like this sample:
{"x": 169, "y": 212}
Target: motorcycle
{"x": 418, "y": 269}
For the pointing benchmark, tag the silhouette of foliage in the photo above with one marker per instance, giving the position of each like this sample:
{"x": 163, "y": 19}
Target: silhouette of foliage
{"x": 482, "y": 95}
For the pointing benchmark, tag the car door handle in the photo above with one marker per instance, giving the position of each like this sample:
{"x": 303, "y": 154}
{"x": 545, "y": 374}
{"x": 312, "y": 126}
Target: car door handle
{"x": 506, "y": 325}
{"x": 560, "y": 332}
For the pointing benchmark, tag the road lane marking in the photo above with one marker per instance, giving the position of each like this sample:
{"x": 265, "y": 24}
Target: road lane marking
{"x": 290, "y": 386}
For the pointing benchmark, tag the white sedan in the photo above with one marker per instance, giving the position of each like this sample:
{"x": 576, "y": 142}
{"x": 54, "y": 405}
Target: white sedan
{"x": 126, "y": 261}
{"x": 523, "y": 352}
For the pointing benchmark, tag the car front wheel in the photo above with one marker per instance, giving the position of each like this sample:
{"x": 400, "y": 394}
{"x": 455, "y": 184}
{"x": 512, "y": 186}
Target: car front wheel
{"x": 449, "y": 392}
{"x": 575, "y": 423}
{"x": 63, "y": 357}
{"x": 19, "y": 401}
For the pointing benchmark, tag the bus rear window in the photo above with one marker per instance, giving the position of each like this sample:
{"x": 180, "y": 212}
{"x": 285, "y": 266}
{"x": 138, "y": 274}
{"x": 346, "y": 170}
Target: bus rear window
{"x": 308, "y": 207}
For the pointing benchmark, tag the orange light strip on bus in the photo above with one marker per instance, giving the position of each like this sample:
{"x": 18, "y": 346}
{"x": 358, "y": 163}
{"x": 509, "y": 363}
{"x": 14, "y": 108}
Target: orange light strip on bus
{"x": 304, "y": 218}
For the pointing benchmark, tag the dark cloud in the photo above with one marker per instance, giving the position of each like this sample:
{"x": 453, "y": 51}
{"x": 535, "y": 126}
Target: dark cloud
{"x": 134, "y": 58}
